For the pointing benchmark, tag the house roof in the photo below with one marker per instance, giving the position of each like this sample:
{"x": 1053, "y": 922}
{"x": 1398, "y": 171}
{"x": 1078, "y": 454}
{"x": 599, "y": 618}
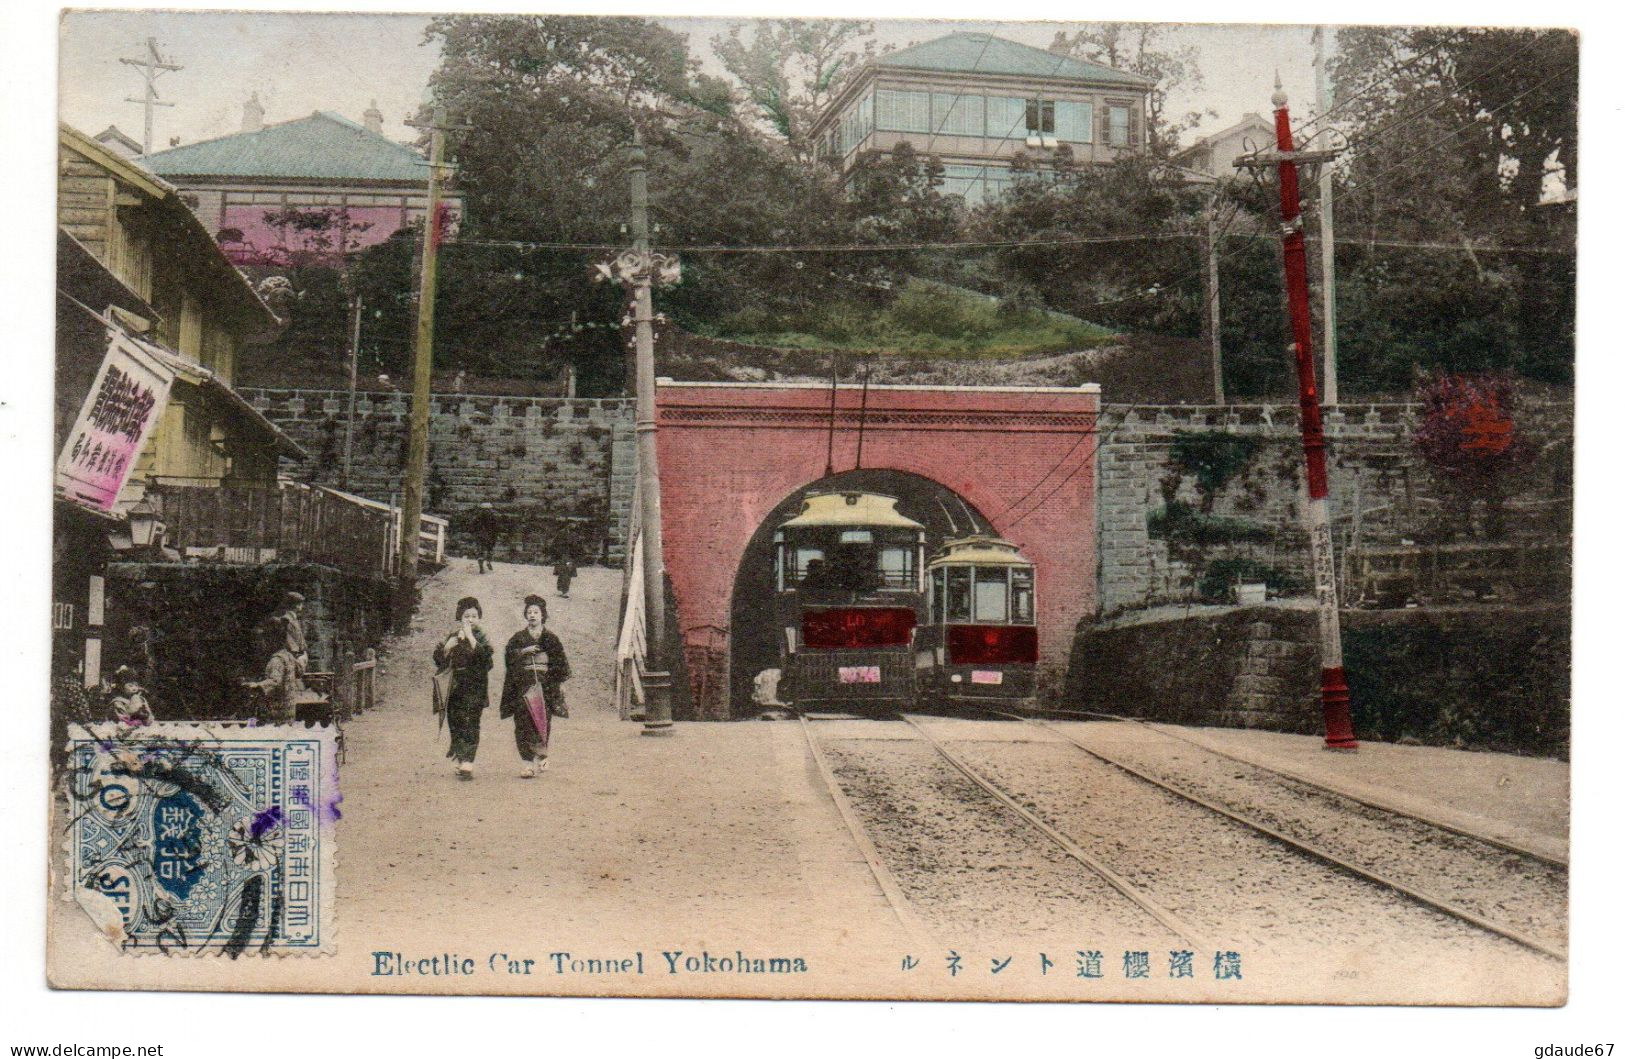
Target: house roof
{"x": 323, "y": 146}
{"x": 982, "y": 53}
{"x": 114, "y": 135}
{"x": 1252, "y": 121}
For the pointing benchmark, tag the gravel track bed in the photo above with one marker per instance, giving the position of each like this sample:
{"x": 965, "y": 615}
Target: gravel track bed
{"x": 1503, "y": 887}
{"x": 1221, "y": 876}
{"x": 970, "y": 868}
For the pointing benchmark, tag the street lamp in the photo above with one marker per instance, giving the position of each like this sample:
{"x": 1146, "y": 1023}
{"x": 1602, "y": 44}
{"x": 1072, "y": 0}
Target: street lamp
{"x": 144, "y": 524}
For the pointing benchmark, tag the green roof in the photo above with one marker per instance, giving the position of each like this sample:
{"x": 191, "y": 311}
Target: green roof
{"x": 323, "y": 146}
{"x": 980, "y": 53}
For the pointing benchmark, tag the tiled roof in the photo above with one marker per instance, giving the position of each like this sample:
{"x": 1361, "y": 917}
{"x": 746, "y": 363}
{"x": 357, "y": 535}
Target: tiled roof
{"x": 980, "y": 53}
{"x": 323, "y": 146}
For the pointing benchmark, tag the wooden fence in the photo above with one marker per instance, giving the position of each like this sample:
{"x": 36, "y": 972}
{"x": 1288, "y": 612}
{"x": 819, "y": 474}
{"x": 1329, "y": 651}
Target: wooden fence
{"x": 257, "y": 522}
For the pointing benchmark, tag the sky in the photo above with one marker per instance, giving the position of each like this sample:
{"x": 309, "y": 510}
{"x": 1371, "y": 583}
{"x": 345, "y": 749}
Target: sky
{"x": 301, "y": 62}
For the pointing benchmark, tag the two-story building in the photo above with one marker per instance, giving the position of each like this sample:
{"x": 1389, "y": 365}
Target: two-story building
{"x": 152, "y": 316}
{"x": 369, "y": 185}
{"x": 975, "y": 101}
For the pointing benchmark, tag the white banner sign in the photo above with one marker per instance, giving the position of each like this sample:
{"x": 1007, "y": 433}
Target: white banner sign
{"x": 119, "y": 412}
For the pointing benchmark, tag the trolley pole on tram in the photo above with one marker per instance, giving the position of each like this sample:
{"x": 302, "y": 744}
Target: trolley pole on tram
{"x": 1334, "y": 688}
{"x": 639, "y": 268}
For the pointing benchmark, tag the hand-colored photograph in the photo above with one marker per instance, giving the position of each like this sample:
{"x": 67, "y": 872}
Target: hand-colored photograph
{"x": 564, "y": 505}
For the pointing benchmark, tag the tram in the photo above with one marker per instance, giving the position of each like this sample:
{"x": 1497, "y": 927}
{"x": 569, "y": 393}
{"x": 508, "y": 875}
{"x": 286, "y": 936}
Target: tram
{"x": 979, "y": 642}
{"x": 850, "y": 592}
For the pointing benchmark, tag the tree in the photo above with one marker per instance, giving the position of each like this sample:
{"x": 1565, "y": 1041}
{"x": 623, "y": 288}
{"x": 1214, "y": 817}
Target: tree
{"x": 791, "y": 69}
{"x": 1451, "y": 135}
{"x": 1150, "y": 50}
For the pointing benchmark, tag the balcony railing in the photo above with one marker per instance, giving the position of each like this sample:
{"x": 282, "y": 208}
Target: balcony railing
{"x": 258, "y": 522}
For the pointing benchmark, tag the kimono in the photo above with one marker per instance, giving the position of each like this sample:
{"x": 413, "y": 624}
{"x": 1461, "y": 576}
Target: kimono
{"x": 518, "y": 679}
{"x": 470, "y": 693}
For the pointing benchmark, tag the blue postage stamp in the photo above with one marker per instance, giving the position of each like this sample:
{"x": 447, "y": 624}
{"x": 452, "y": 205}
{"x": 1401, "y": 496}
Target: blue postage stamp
{"x": 191, "y": 838}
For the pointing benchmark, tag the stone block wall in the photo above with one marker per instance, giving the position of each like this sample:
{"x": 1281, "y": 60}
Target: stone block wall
{"x": 1477, "y": 677}
{"x": 556, "y": 470}
{"x": 1381, "y": 489}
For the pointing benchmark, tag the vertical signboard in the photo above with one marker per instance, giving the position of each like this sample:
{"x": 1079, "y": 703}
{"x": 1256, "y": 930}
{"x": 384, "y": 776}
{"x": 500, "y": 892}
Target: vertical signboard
{"x": 119, "y": 412}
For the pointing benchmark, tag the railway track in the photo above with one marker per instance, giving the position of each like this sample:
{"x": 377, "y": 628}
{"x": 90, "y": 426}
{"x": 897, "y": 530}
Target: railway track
{"x": 1374, "y": 804}
{"x": 1097, "y": 875}
{"x": 1450, "y": 907}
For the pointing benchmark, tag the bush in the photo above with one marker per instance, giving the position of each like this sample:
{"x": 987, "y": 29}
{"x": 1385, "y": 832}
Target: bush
{"x": 1178, "y": 521}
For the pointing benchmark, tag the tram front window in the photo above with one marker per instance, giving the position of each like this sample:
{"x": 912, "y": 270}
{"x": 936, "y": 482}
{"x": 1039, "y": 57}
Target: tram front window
{"x": 959, "y": 593}
{"x": 992, "y": 594}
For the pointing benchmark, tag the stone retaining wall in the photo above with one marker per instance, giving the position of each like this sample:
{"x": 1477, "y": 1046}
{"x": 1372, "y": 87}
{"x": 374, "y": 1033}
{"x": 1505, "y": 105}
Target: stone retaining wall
{"x": 557, "y": 470}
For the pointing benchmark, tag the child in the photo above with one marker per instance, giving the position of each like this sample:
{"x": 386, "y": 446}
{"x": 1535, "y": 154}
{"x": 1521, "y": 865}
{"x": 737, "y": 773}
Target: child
{"x": 129, "y": 703}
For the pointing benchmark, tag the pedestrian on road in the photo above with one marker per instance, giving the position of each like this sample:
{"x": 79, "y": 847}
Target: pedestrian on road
{"x": 467, "y": 653}
{"x": 290, "y": 616}
{"x": 564, "y": 571}
{"x": 484, "y": 530}
{"x": 534, "y": 659}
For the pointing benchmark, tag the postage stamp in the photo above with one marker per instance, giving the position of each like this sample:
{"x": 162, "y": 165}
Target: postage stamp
{"x": 187, "y": 838}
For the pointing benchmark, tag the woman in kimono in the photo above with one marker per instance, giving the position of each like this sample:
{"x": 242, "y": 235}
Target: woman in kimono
{"x": 467, "y": 653}
{"x": 534, "y": 657}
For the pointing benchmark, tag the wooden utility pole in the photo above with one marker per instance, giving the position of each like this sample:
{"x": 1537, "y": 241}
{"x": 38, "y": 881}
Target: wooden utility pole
{"x": 1334, "y": 688}
{"x": 639, "y": 268}
{"x": 349, "y": 416}
{"x": 417, "y": 446}
{"x": 152, "y": 67}
{"x": 1328, "y": 241}
{"x": 1212, "y": 242}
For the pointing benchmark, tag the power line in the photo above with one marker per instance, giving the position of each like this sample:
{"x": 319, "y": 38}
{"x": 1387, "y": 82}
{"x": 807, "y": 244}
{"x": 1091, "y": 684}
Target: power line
{"x": 1376, "y": 83}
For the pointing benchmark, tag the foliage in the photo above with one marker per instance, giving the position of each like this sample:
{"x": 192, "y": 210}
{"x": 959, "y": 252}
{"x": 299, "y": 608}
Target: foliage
{"x": 925, "y": 318}
{"x": 1220, "y": 574}
{"x": 791, "y": 69}
{"x": 1179, "y": 522}
{"x": 1213, "y": 457}
{"x": 1452, "y": 135}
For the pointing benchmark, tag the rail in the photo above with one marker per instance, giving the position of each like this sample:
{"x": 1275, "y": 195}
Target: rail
{"x": 288, "y": 521}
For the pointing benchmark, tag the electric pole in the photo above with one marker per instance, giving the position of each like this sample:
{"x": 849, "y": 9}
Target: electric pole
{"x": 152, "y": 67}
{"x": 417, "y": 447}
{"x": 639, "y": 269}
{"x": 1212, "y": 245}
{"x": 355, "y": 355}
{"x": 1328, "y": 243}
{"x": 1334, "y": 689}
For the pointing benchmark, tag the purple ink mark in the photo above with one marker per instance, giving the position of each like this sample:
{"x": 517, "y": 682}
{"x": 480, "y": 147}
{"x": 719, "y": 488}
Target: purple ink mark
{"x": 265, "y": 820}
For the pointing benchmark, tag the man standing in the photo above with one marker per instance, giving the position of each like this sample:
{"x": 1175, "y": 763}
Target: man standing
{"x": 484, "y": 530}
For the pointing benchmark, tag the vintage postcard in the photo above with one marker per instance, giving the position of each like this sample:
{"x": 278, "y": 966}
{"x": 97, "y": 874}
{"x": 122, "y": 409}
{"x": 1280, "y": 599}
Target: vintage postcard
{"x": 804, "y": 508}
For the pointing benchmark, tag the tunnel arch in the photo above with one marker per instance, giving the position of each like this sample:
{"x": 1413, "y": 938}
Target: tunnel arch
{"x": 752, "y": 636}
{"x": 732, "y": 453}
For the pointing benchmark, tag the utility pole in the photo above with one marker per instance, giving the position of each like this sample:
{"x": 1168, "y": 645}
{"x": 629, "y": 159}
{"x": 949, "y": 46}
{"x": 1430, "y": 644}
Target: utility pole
{"x": 355, "y": 355}
{"x": 1328, "y": 243}
{"x": 1334, "y": 689}
{"x": 639, "y": 269}
{"x": 1212, "y": 242}
{"x": 152, "y": 67}
{"x": 417, "y": 447}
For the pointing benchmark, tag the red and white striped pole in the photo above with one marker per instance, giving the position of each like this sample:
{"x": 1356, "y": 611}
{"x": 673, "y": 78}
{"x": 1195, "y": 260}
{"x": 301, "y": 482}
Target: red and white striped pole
{"x": 1334, "y": 687}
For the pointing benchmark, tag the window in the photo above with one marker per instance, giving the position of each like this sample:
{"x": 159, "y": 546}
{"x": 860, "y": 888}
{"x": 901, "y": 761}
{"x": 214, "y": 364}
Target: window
{"x": 1021, "y": 594}
{"x": 1006, "y": 116}
{"x": 939, "y": 577}
{"x": 897, "y": 566}
{"x": 957, "y": 115}
{"x": 1074, "y": 122}
{"x": 992, "y": 594}
{"x": 959, "y": 593}
{"x": 1040, "y": 116}
{"x": 897, "y": 111}
{"x": 801, "y": 566}
{"x": 1117, "y": 126}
